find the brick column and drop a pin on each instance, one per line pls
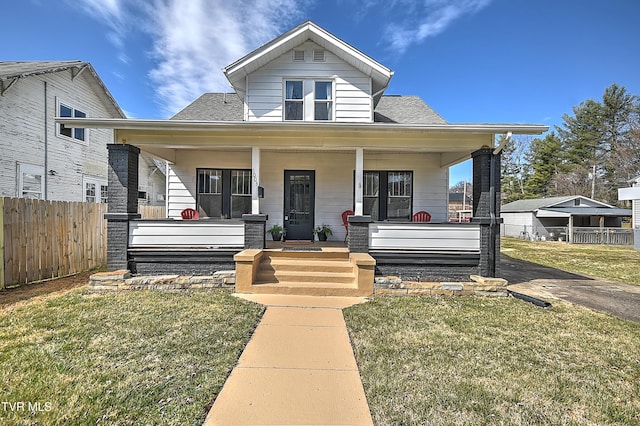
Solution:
(486, 207)
(255, 231)
(358, 239)
(123, 202)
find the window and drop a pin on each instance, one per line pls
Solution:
(296, 91)
(323, 100)
(224, 193)
(71, 132)
(388, 195)
(95, 190)
(293, 101)
(30, 181)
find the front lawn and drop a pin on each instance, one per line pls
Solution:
(125, 359)
(468, 360)
(616, 263)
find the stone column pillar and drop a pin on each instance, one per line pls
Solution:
(255, 231)
(123, 202)
(486, 207)
(358, 239)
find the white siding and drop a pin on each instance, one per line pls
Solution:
(424, 236)
(197, 233)
(352, 101)
(334, 180)
(515, 223)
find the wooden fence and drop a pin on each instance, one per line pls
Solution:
(613, 236)
(49, 239)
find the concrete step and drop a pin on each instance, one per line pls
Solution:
(266, 276)
(308, 289)
(309, 265)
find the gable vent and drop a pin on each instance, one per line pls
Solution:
(298, 55)
(318, 55)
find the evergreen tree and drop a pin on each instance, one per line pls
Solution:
(546, 161)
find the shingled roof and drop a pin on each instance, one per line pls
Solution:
(390, 109)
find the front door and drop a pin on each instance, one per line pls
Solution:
(299, 204)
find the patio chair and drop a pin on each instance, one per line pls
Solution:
(422, 216)
(190, 214)
(345, 221)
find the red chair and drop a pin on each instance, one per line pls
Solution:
(422, 216)
(190, 214)
(345, 221)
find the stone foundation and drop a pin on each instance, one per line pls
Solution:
(123, 281)
(477, 286)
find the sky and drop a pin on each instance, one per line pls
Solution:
(473, 61)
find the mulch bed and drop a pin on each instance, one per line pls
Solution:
(28, 291)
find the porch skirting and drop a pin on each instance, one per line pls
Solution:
(181, 261)
(424, 266)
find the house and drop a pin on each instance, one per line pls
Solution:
(633, 193)
(45, 160)
(460, 204)
(307, 135)
(565, 217)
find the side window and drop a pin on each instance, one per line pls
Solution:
(30, 181)
(65, 110)
(388, 195)
(323, 106)
(95, 190)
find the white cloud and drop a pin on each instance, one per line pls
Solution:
(412, 21)
(194, 39)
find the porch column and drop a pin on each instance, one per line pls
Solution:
(570, 230)
(486, 207)
(359, 181)
(255, 180)
(123, 202)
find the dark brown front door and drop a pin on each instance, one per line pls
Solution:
(299, 204)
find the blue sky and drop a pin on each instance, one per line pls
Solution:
(473, 61)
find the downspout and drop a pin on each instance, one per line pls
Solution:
(46, 145)
(492, 198)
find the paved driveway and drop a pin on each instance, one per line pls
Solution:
(622, 300)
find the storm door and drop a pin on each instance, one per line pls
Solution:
(299, 204)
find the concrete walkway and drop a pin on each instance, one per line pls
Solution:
(298, 368)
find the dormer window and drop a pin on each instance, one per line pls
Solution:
(308, 100)
(298, 55)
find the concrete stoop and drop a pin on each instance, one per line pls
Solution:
(330, 272)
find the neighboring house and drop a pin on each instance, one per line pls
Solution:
(558, 217)
(633, 194)
(45, 160)
(307, 135)
(460, 207)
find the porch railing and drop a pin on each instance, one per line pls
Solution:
(613, 236)
(186, 234)
(441, 237)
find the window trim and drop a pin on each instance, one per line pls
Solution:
(25, 168)
(331, 101)
(285, 99)
(59, 127)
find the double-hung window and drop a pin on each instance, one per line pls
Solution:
(323, 107)
(30, 181)
(294, 100)
(76, 133)
(95, 190)
(388, 195)
(308, 100)
(224, 193)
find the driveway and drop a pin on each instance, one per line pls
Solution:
(622, 300)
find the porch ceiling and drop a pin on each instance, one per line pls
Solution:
(162, 138)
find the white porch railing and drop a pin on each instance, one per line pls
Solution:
(186, 233)
(613, 236)
(463, 237)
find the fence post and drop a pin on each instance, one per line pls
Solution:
(2, 243)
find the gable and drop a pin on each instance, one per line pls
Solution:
(307, 31)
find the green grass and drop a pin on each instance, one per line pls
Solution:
(617, 263)
(468, 360)
(123, 359)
